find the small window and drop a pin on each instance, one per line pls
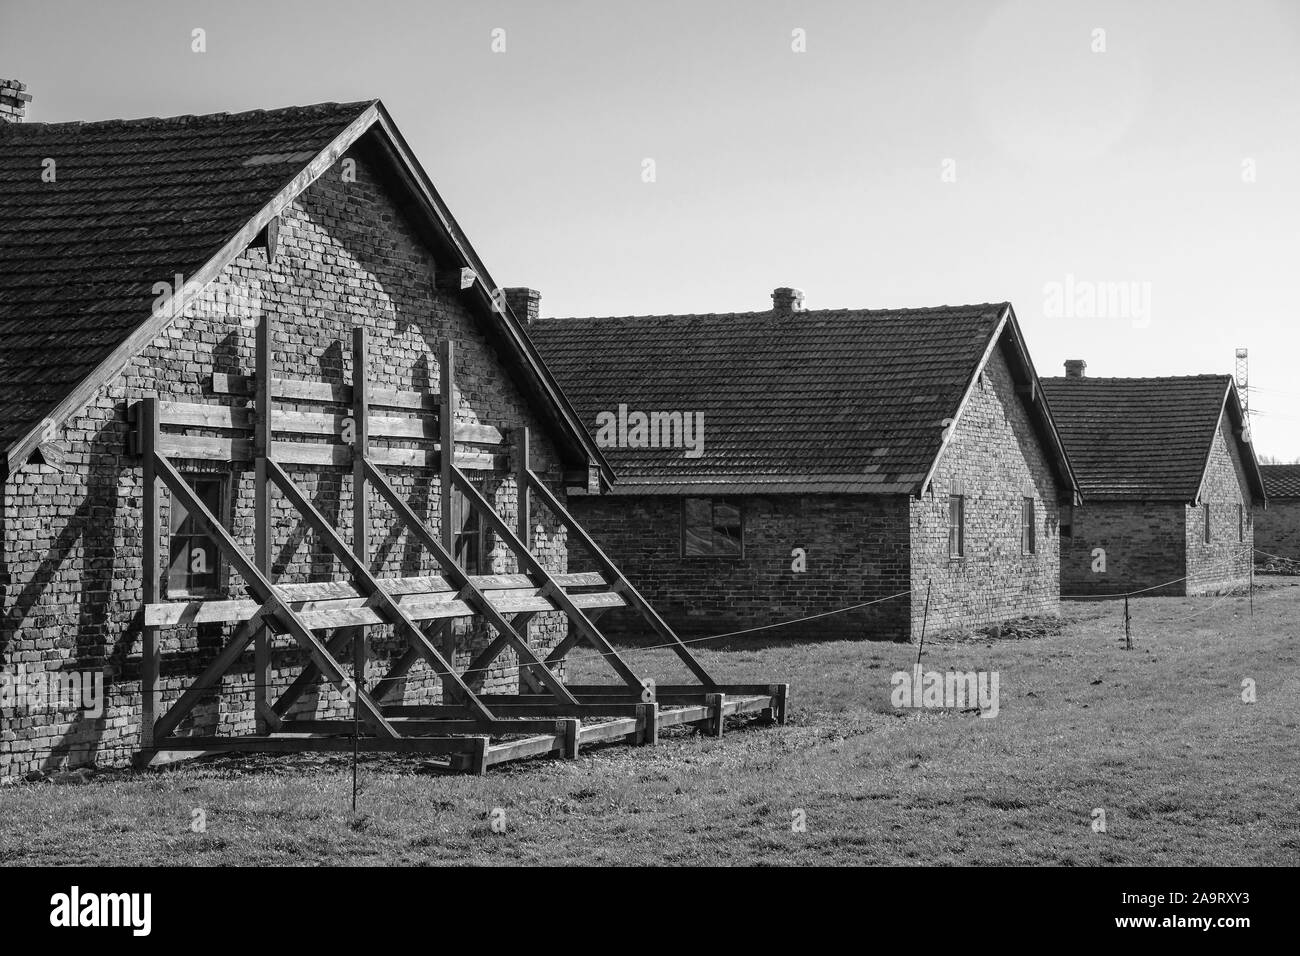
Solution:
(195, 566)
(712, 528)
(1206, 508)
(472, 540)
(1027, 526)
(956, 526)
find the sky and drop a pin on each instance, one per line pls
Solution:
(1126, 174)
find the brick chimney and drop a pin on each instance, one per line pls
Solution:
(13, 101)
(526, 304)
(1074, 368)
(785, 301)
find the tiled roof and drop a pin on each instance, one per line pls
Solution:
(825, 400)
(1281, 481)
(1138, 438)
(133, 202)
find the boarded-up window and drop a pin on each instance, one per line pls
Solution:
(956, 526)
(1027, 526)
(712, 528)
(472, 539)
(195, 560)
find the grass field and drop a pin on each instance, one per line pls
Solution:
(1158, 737)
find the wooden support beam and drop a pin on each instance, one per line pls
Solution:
(360, 497)
(211, 676)
(647, 719)
(529, 563)
(619, 582)
(473, 596)
(264, 591)
(150, 654)
(716, 722)
(262, 521)
(384, 603)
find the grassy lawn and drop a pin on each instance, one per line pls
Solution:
(1157, 736)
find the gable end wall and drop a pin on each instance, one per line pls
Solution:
(73, 543)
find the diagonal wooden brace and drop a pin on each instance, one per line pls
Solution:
(381, 600)
(553, 592)
(264, 592)
(457, 577)
(622, 585)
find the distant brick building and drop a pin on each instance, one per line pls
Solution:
(775, 465)
(1170, 484)
(1277, 527)
(323, 221)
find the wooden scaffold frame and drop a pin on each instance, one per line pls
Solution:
(324, 620)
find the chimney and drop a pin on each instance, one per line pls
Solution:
(13, 101)
(1074, 368)
(526, 304)
(785, 301)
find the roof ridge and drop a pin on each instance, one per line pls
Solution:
(845, 311)
(183, 119)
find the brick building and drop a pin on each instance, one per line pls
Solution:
(1277, 527)
(140, 258)
(774, 465)
(1170, 484)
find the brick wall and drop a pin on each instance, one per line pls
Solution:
(995, 461)
(1223, 563)
(1144, 545)
(1277, 528)
(855, 547)
(72, 542)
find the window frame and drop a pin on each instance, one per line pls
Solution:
(481, 536)
(714, 555)
(960, 502)
(1028, 522)
(223, 515)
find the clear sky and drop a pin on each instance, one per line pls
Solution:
(913, 154)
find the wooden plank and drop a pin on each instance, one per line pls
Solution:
(150, 649)
(317, 602)
(360, 494)
(297, 744)
(205, 449)
(441, 711)
(188, 415)
(264, 718)
(301, 390)
(608, 730)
